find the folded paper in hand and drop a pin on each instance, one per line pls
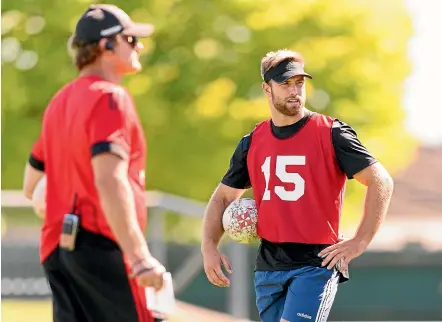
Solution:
(162, 301)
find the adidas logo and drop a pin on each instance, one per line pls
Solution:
(303, 315)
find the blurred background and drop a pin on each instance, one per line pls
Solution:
(376, 65)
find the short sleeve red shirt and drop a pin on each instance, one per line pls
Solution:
(87, 117)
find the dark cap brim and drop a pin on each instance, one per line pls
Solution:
(139, 30)
(281, 78)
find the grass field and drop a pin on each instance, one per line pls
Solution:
(25, 311)
(41, 311)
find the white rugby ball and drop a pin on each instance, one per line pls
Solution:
(39, 198)
(240, 219)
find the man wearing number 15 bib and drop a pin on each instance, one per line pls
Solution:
(297, 163)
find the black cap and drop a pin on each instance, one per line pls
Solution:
(104, 20)
(285, 70)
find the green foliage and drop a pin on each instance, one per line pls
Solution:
(200, 92)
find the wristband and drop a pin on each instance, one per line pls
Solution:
(137, 262)
(139, 267)
(141, 271)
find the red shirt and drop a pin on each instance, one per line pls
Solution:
(297, 183)
(86, 117)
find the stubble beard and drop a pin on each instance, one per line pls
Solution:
(287, 109)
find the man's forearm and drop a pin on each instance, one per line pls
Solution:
(118, 205)
(30, 180)
(377, 201)
(212, 223)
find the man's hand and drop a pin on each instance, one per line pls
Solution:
(213, 259)
(213, 232)
(342, 253)
(379, 190)
(150, 274)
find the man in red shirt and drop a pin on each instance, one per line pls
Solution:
(92, 151)
(297, 163)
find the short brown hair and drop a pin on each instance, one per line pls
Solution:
(273, 58)
(83, 54)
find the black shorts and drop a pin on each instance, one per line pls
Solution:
(90, 284)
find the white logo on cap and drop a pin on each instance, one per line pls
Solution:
(96, 14)
(111, 31)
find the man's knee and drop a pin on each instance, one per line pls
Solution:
(283, 320)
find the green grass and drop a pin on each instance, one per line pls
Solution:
(20, 217)
(25, 311)
(41, 311)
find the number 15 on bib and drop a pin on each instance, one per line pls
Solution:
(280, 171)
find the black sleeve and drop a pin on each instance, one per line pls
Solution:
(36, 164)
(111, 147)
(237, 175)
(352, 156)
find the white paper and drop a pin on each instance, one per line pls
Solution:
(162, 301)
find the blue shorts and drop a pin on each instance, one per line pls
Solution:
(304, 294)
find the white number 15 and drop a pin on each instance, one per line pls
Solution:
(282, 161)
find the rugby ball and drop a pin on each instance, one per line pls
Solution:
(240, 219)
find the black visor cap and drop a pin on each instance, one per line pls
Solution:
(285, 70)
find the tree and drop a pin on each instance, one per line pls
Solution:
(200, 91)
